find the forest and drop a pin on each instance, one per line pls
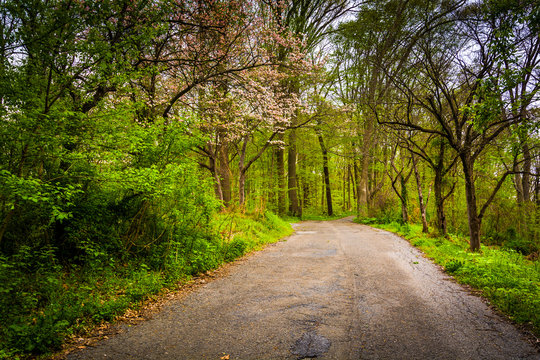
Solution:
(145, 141)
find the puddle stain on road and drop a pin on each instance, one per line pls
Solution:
(310, 345)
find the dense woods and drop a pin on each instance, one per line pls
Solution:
(133, 132)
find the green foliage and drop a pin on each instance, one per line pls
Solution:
(453, 265)
(323, 217)
(235, 249)
(102, 202)
(42, 303)
(366, 220)
(505, 277)
(484, 111)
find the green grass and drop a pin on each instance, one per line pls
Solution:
(508, 279)
(42, 303)
(242, 233)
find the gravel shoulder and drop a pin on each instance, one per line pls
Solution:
(333, 290)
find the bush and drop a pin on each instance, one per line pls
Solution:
(453, 266)
(521, 245)
(42, 302)
(366, 220)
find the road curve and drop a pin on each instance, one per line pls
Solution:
(333, 290)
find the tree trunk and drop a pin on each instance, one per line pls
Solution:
(270, 193)
(352, 180)
(217, 180)
(526, 177)
(281, 193)
(359, 210)
(537, 187)
(363, 187)
(328, 190)
(241, 188)
(518, 184)
(439, 203)
(472, 212)
(363, 184)
(425, 227)
(404, 200)
(526, 187)
(225, 173)
(326, 175)
(323, 192)
(305, 186)
(213, 169)
(294, 207)
(344, 191)
(242, 173)
(349, 187)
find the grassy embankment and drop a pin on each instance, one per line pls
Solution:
(43, 303)
(509, 280)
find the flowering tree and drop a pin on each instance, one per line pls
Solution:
(255, 102)
(309, 22)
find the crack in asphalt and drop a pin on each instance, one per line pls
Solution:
(333, 290)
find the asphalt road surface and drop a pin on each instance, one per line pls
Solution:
(333, 290)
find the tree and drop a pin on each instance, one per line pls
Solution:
(462, 94)
(379, 41)
(517, 47)
(253, 104)
(431, 148)
(209, 52)
(309, 21)
(435, 153)
(400, 172)
(60, 63)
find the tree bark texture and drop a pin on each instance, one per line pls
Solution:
(425, 227)
(439, 203)
(217, 180)
(475, 221)
(225, 173)
(281, 193)
(294, 206)
(404, 200)
(326, 172)
(242, 188)
(363, 184)
(359, 205)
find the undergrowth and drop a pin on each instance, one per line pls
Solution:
(507, 278)
(318, 217)
(43, 303)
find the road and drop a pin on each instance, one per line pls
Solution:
(333, 290)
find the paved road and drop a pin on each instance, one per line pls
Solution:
(334, 290)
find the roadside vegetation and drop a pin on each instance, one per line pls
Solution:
(504, 275)
(42, 303)
(313, 216)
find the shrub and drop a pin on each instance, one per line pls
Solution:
(453, 266)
